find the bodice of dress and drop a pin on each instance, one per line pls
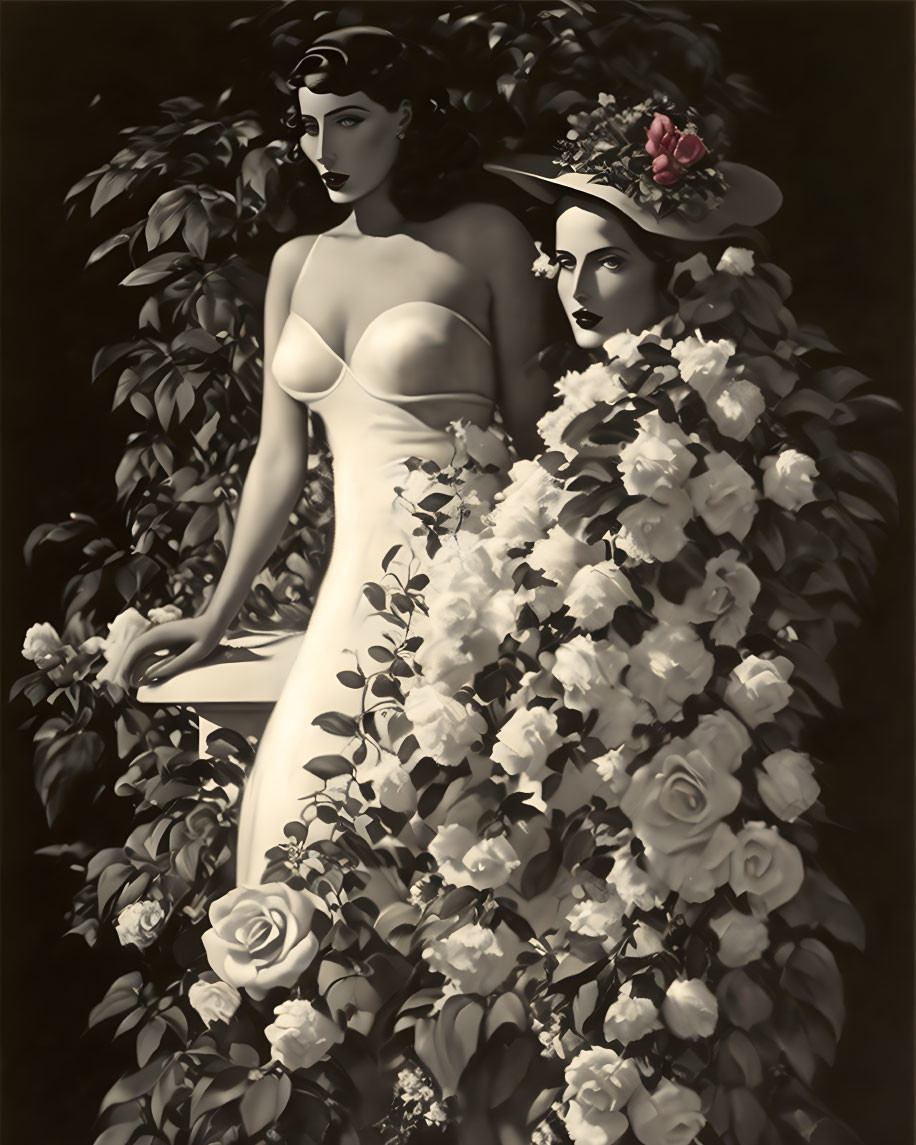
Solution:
(416, 366)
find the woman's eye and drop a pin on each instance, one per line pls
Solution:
(612, 262)
(349, 121)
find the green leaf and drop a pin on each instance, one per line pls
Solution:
(108, 245)
(118, 1134)
(380, 653)
(375, 594)
(329, 766)
(120, 996)
(351, 679)
(389, 557)
(135, 1085)
(148, 1039)
(435, 501)
(225, 1087)
(259, 1105)
(158, 268)
(811, 975)
(336, 724)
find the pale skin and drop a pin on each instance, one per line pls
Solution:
(480, 251)
(603, 271)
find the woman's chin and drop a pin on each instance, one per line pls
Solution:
(592, 339)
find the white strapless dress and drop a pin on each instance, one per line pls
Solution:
(410, 361)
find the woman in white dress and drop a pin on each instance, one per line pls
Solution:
(389, 326)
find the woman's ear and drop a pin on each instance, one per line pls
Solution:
(406, 110)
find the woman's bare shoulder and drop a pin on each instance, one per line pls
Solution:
(487, 220)
(289, 257)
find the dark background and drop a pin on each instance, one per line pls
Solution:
(838, 78)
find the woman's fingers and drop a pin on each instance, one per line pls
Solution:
(171, 665)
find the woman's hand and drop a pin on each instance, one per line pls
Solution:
(185, 642)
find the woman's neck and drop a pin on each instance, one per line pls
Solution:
(373, 214)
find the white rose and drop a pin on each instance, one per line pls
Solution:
(735, 406)
(623, 349)
(121, 632)
(628, 1019)
(720, 737)
(525, 740)
(658, 461)
(669, 664)
(139, 923)
(528, 506)
(758, 688)
(41, 640)
(766, 867)
(444, 727)
(214, 1000)
(474, 444)
(262, 937)
(788, 478)
(599, 1082)
(700, 359)
(554, 423)
(544, 266)
(668, 1116)
(600, 382)
(612, 768)
(475, 958)
(676, 801)
(596, 592)
(164, 614)
(652, 531)
(737, 260)
(726, 597)
(391, 783)
(697, 871)
(786, 783)
(559, 556)
(742, 939)
(464, 861)
(724, 496)
(635, 886)
(599, 919)
(588, 670)
(301, 1035)
(690, 1009)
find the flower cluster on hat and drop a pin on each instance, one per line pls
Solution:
(651, 151)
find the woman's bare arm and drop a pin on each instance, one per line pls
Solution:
(278, 469)
(522, 318)
(272, 487)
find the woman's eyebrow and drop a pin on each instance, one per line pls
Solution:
(348, 107)
(609, 250)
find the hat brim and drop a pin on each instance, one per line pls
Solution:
(751, 198)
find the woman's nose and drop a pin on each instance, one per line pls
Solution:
(580, 286)
(324, 151)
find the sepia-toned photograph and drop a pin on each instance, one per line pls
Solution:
(457, 572)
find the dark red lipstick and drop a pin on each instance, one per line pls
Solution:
(334, 180)
(587, 319)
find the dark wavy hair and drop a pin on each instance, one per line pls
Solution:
(438, 161)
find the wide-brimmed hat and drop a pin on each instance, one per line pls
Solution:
(750, 197)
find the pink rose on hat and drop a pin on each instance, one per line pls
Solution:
(673, 151)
